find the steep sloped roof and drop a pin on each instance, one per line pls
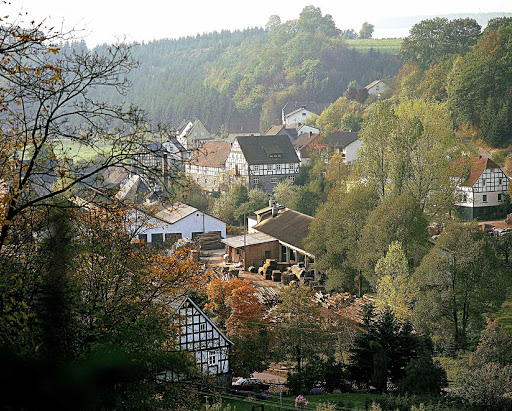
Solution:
(373, 83)
(289, 226)
(475, 165)
(244, 126)
(259, 149)
(281, 130)
(211, 154)
(340, 138)
(312, 106)
(304, 139)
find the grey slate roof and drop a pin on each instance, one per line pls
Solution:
(289, 226)
(340, 138)
(258, 149)
(312, 106)
(244, 126)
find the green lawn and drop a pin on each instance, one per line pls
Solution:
(350, 401)
(79, 152)
(505, 314)
(391, 46)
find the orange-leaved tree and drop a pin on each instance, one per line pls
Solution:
(240, 314)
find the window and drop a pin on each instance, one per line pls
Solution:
(483, 181)
(291, 178)
(501, 181)
(213, 358)
(500, 197)
(278, 167)
(267, 255)
(273, 180)
(484, 198)
(202, 327)
(195, 133)
(256, 169)
(157, 238)
(304, 114)
(172, 237)
(143, 237)
(256, 180)
(202, 133)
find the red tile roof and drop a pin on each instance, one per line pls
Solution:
(473, 167)
(211, 154)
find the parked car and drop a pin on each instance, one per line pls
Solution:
(249, 384)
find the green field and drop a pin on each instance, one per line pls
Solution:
(346, 400)
(391, 46)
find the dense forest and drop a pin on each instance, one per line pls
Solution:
(249, 73)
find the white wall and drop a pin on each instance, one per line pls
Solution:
(298, 117)
(380, 87)
(351, 151)
(195, 222)
(307, 129)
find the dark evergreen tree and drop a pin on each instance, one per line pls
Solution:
(383, 350)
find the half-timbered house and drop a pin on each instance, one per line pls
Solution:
(198, 335)
(261, 161)
(481, 189)
(207, 164)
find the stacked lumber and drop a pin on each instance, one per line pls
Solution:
(210, 241)
(267, 296)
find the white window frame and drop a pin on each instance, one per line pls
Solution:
(213, 358)
(273, 180)
(256, 180)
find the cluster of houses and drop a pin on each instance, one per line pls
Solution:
(275, 232)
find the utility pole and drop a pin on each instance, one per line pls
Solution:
(245, 238)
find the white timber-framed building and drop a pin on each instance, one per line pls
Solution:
(199, 335)
(481, 189)
(261, 161)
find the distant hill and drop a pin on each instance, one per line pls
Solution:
(250, 73)
(398, 27)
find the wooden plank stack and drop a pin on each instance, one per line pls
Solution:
(210, 241)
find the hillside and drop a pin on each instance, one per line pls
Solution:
(252, 73)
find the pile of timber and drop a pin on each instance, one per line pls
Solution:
(345, 305)
(209, 241)
(267, 296)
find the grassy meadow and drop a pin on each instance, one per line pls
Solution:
(391, 46)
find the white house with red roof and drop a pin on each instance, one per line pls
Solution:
(482, 189)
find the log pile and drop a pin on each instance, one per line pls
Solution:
(209, 241)
(267, 296)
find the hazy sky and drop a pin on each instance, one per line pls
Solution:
(154, 19)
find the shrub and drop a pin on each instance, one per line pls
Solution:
(423, 376)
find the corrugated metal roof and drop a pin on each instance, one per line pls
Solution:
(250, 239)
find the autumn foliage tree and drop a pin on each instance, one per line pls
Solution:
(92, 307)
(240, 314)
(50, 117)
